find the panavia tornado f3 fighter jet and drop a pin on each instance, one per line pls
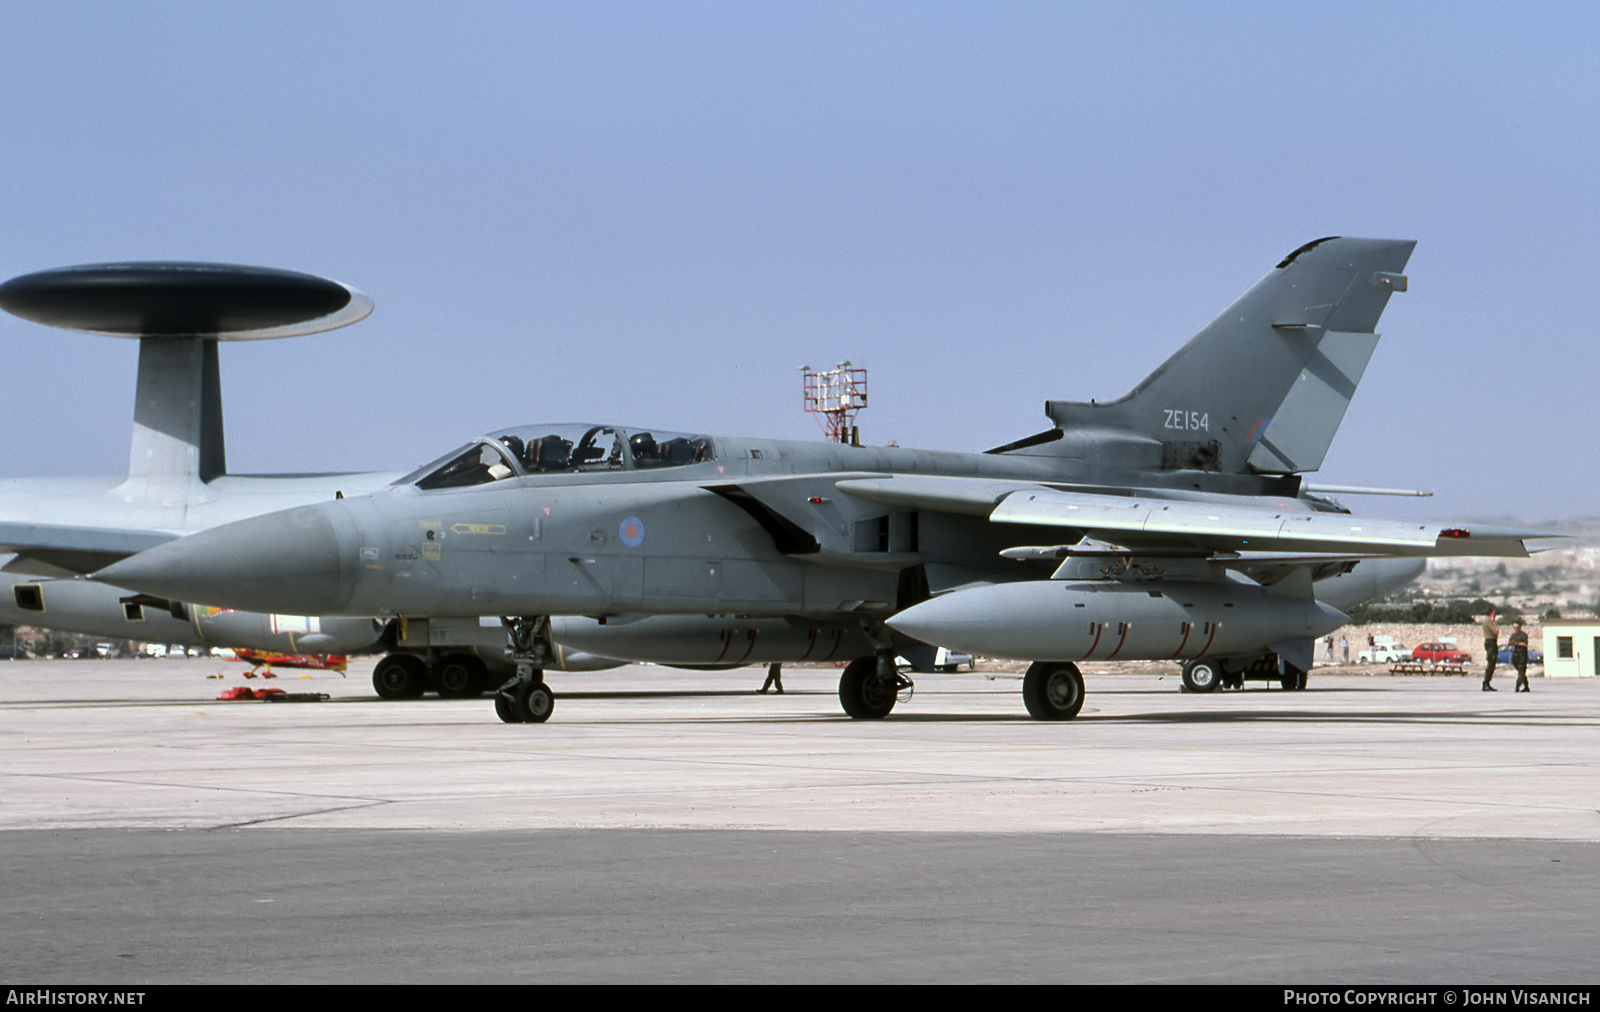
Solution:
(1170, 523)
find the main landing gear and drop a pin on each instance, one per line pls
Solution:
(1053, 690)
(461, 676)
(870, 686)
(525, 699)
(407, 676)
(1207, 674)
(1203, 675)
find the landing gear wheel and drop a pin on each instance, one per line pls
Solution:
(461, 677)
(1293, 679)
(534, 702)
(862, 693)
(1203, 675)
(505, 708)
(1053, 690)
(400, 676)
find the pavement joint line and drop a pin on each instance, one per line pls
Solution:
(187, 786)
(265, 819)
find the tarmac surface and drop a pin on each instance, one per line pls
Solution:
(677, 826)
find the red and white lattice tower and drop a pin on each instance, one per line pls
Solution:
(834, 396)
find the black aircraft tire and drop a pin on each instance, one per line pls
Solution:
(461, 676)
(400, 676)
(1203, 675)
(506, 708)
(1052, 690)
(535, 702)
(862, 693)
(1293, 680)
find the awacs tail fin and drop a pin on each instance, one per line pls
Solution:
(177, 412)
(1263, 388)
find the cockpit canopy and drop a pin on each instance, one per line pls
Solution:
(560, 449)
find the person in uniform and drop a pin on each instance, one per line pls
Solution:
(1519, 656)
(1491, 648)
(774, 678)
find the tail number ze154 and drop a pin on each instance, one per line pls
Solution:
(1189, 421)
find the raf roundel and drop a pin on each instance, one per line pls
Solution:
(632, 532)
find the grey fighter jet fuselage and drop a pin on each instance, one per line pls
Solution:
(851, 534)
(1168, 523)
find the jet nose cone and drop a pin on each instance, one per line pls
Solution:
(295, 562)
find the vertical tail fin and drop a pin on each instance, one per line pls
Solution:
(177, 415)
(1263, 388)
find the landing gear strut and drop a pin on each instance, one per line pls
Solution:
(525, 699)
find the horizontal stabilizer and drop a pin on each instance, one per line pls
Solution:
(75, 549)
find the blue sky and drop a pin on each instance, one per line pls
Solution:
(654, 213)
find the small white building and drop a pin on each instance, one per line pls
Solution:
(1571, 647)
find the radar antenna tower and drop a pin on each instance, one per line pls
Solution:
(834, 396)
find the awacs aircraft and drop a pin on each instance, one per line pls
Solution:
(177, 480)
(1170, 523)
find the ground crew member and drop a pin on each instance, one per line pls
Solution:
(1491, 648)
(1519, 656)
(774, 678)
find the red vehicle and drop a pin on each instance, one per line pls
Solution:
(1441, 653)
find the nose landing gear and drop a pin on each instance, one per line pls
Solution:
(525, 699)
